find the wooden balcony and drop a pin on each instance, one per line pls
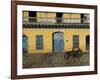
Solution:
(33, 22)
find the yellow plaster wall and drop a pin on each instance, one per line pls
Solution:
(75, 15)
(66, 15)
(51, 15)
(25, 14)
(47, 34)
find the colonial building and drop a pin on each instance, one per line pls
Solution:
(46, 32)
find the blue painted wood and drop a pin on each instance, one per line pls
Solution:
(58, 39)
(25, 44)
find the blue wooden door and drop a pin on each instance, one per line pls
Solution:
(58, 42)
(25, 44)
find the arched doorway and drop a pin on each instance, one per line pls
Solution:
(25, 44)
(58, 42)
(87, 42)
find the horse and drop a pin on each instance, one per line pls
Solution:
(73, 55)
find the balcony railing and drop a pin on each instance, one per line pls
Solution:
(30, 20)
(42, 22)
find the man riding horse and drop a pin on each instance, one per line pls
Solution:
(73, 55)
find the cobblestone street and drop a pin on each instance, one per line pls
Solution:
(53, 60)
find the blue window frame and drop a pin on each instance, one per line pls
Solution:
(39, 42)
(75, 41)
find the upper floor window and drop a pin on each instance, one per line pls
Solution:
(59, 17)
(82, 18)
(32, 16)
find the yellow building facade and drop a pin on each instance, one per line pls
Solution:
(48, 32)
